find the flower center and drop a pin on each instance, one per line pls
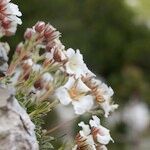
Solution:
(75, 94)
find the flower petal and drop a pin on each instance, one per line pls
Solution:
(83, 104)
(62, 94)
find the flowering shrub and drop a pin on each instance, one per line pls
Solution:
(43, 74)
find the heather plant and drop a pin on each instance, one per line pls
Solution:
(43, 74)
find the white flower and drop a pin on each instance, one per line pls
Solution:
(75, 92)
(83, 105)
(108, 107)
(9, 17)
(104, 92)
(75, 64)
(63, 96)
(94, 138)
(85, 133)
(85, 129)
(137, 116)
(101, 133)
(107, 92)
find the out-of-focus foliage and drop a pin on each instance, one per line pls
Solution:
(104, 30)
(141, 8)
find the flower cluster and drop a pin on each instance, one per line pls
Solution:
(9, 14)
(44, 73)
(45, 70)
(93, 137)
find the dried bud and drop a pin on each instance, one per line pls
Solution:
(26, 76)
(25, 57)
(38, 84)
(46, 62)
(40, 26)
(57, 56)
(29, 33)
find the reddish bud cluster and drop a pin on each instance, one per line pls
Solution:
(45, 33)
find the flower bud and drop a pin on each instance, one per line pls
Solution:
(28, 33)
(27, 64)
(19, 47)
(50, 32)
(38, 84)
(59, 56)
(40, 26)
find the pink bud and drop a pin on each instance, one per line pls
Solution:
(40, 26)
(48, 32)
(28, 33)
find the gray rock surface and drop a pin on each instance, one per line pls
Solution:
(16, 128)
(4, 49)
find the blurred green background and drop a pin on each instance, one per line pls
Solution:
(113, 35)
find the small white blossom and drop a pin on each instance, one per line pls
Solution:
(75, 92)
(86, 134)
(102, 134)
(102, 93)
(106, 93)
(137, 116)
(94, 138)
(75, 64)
(108, 107)
(84, 104)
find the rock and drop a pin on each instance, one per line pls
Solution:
(16, 128)
(4, 49)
